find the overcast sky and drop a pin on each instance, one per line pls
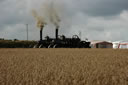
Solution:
(96, 19)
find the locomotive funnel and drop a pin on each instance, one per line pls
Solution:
(41, 32)
(56, 34)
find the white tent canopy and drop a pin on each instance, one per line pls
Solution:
(120, 44)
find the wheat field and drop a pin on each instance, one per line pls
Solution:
(63, 67)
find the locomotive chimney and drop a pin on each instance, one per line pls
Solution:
(40, 34)
(41, 31)
(56, 34)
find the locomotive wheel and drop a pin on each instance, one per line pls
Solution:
(55, 46)
(36, 46)
(50, 46)
(41, 46)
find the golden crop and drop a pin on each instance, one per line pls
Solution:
(63, 67)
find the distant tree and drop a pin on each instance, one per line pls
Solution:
(15, 39)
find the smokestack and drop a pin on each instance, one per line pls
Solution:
(56, 34)
(41, 32)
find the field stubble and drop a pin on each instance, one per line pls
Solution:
(63, 67)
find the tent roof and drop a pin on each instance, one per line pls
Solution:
(118, 42)
(99, 41)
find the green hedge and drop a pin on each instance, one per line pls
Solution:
(16, 44)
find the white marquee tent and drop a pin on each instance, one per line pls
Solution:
(120, 44)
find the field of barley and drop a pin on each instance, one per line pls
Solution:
(63, 67)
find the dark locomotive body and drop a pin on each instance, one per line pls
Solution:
(61, 42)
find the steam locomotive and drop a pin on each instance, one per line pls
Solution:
(61, 41)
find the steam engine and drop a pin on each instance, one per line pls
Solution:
(61, 41)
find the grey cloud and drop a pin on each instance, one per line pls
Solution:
(96, 19)
(12, 13)
(13, 19)
(102, 7)
(106, 29)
